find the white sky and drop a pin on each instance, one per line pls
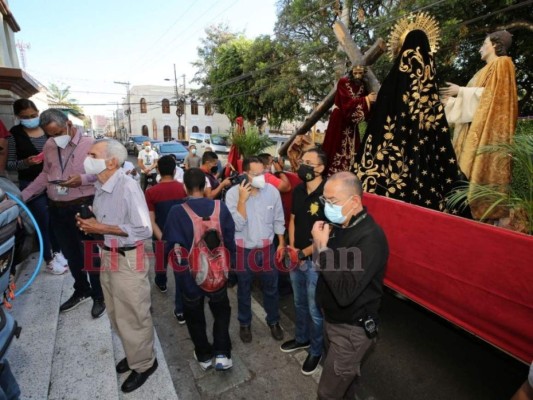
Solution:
(88, 45)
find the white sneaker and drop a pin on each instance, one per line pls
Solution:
(205, 365)
(60, 259)
(53, 267)
(223, 363)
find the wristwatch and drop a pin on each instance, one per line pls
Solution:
(301, 255)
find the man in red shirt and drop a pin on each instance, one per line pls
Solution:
(274, 173)
(160, 199)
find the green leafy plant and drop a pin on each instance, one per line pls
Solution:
(518, 196)
(251, 142)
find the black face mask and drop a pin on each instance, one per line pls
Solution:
(214, 170)
(306, 173)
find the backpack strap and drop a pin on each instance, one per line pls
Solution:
(216, 211)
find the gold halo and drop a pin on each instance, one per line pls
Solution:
(422, 21)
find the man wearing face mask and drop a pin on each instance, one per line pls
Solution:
(306, 210)
(124, 264)
(258, 214)
(210, 167)
(147, 161)
(192, 160)
(352, 252)
(68, 187)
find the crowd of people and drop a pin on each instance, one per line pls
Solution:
(96, 212)
(94, 206)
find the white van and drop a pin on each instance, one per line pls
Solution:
(218, 142)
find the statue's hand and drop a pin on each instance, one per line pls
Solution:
(451, 90)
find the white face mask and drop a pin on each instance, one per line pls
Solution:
(258, 181)
(62, 140)
(94, 166)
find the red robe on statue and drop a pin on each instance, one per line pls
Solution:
(342, 135)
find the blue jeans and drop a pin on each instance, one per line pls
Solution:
(263, 264)
(161, 279)
(309, 321)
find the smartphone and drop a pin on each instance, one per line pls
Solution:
(39, 157)
(58, 181)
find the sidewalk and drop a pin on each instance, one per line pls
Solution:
(260, 370)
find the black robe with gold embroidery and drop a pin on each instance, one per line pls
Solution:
(407, 151)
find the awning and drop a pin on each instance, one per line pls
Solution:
(17, 81)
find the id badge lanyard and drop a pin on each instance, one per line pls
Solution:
(64, 166)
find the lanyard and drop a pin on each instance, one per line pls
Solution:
(64, 166)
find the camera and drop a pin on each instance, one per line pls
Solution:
(237, 179)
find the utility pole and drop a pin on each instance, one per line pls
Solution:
(185, 108)
(128, 111)
(22, 46)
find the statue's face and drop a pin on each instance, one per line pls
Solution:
(358, 72)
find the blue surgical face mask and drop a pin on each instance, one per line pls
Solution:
(333, 212)
(30, 123)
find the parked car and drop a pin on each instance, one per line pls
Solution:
(184, 143)
(166, 148)
(218, 142)
(134, 144)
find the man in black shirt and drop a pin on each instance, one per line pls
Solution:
(352, 254)
(306, 210)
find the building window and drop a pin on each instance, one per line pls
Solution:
(145, 130)
(167, 133)
(165, 105)
(195, 129)
(208, 110)
(208, 129)
(143, 106)
(194, 107)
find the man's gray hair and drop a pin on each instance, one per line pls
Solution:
(53, 115)
(350, 183)
(115, 149)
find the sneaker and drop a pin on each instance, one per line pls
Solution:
(223, 363)
(98, 308)
(292, 345)
(53, 267)
(180, 317)
(60, 259)
(162, 287)
(205, 365)
(75, 300)
(310, 365)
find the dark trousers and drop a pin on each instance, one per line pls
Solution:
(144, 180)
(39, 208)
(195, 318)
(346, 345)
(260, 261)
(72, 243)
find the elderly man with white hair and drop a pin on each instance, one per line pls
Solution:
(121, 215)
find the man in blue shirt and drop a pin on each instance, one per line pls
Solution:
(179, 231)
(258, 214)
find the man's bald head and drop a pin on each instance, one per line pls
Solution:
(348, 183)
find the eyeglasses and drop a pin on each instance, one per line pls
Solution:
(325, 201)
(305, 162)
(252, 174)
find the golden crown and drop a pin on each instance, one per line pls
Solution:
(422, 21)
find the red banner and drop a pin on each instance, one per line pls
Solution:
(476, 276)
